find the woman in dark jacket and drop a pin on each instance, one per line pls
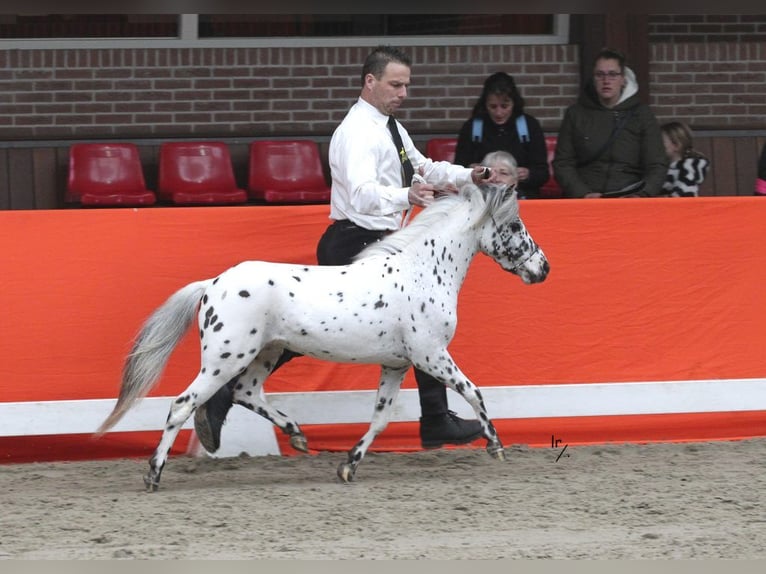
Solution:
(494, 125)
(610, 143)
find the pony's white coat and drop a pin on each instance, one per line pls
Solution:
(395, 305)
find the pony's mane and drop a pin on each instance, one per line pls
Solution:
(492, 196)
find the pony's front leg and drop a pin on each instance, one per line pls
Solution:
(450, 374)
(388, 389)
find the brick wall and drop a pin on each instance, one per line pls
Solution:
(682, 28)
(256, 92)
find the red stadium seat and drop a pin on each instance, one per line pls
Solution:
(197, 173)
(441, 149)
(102, 174)
(551, 188)
(287, 171)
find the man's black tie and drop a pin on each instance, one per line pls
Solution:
(407, 170)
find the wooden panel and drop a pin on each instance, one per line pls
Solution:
(62, 173)
(20, 181)
(44, 180)
(724, 166)
(746, 167)
(704, 145)
(35, 177)
(5, 199)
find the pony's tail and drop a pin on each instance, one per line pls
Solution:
(152, 348)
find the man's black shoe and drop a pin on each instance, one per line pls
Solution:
(438, 430)
(209, 418)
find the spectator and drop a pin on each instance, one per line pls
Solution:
(609, 143)
(688, 167)
(503, 166)
(498, 122)
(760, 182)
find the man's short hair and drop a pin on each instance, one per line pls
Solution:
(380, 57)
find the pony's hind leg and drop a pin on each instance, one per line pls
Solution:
(388, 389)
(248, 392)
(182, 407)
(450, 374)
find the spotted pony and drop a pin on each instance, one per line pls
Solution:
(395, 305)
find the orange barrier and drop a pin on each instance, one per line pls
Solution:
(640, 290)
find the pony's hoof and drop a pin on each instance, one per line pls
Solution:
(345, 472)
(151, 483)
(496, 451)
(299, 442)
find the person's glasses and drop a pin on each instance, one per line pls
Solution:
(611, 74)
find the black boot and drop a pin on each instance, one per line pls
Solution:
(448, 428)
(209, 418)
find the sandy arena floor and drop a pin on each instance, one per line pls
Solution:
(694, 500)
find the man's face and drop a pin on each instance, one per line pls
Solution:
(609, 81)
(387, 93)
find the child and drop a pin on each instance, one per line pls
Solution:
(688, 167)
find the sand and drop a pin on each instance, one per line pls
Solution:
(666, 501)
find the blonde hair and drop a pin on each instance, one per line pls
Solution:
(681, 135)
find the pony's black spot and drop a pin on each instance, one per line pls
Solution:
(216, 372)
(244, 293)
(225, 355)
(240, 355)
(304, 332)
(271, 282)
(218, 327)
(298, 279)
(291, 294)
(253, 331)
(182, 400)
(204, 299)
(422, 307)
(379, 303)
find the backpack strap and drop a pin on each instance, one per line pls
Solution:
(478, 130)
(521, 128)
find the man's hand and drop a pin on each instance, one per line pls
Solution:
(481, 175)
(421, 194)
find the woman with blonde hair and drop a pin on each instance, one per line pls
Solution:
(688, 167)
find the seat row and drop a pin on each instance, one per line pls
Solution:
(444, 149)
(196, 173)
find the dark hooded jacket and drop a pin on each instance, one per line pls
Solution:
(581, 163)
